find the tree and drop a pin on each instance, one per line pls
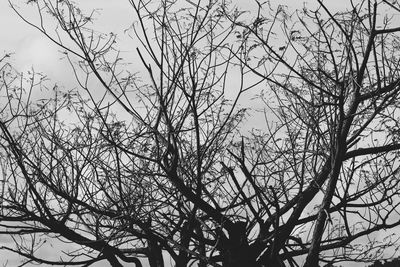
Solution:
(129, 166)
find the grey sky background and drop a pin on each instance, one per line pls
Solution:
(32, 50)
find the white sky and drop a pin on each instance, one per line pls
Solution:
(33, 50)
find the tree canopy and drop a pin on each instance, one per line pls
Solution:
(175, 165)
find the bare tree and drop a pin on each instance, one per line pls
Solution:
(334, 93)
(154, 164)
(136, 164)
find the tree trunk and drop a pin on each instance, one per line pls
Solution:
(183, 257)
(113, 261)
(155, 254)
(201, 246)
(236, 251)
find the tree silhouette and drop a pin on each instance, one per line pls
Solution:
(158, 165)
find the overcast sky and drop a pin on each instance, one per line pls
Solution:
(31, 49)
(34, 50)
